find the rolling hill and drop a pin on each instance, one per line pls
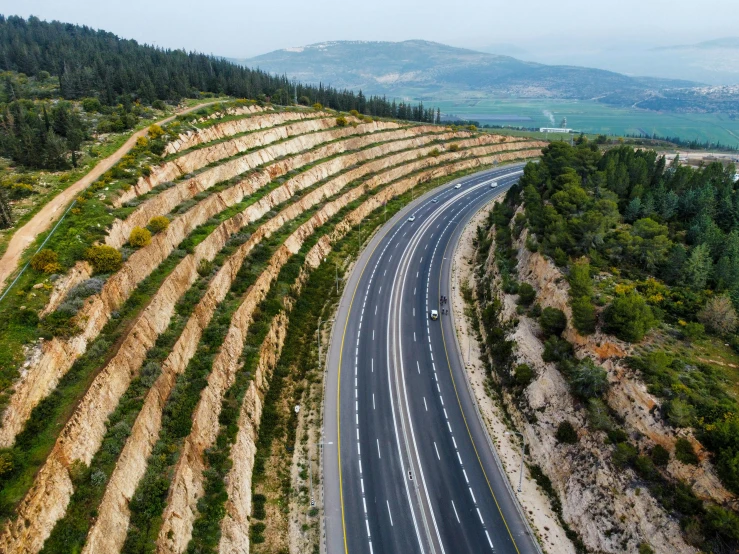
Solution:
(429, 70)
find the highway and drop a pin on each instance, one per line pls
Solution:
(408, 467)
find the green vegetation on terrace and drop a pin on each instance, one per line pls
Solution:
(90, 482)
(34, 443)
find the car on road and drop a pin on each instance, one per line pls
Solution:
(494, 185)
(412, 218)
(434, 315)
(435, 200)
(458, 186)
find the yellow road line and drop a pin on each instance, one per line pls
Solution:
(456, 392)
(338, 385)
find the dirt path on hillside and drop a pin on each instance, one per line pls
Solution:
(52, 210)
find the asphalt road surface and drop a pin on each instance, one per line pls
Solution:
(408, 467)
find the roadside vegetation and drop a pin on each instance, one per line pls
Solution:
(651, 256)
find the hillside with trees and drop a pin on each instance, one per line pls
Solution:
(624, 272)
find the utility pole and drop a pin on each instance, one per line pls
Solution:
(523, 453)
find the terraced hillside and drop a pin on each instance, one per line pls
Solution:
(139, 355)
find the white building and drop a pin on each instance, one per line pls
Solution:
(554, 130)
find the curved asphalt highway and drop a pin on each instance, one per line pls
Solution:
(414, 471)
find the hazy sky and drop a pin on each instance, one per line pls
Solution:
(243, 29)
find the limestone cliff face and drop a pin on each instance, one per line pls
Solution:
(202, 157)
(270, 128)
(598, 499)
(167, 200)
(59, 354)
(628, 395)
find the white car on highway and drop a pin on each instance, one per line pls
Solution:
(458, 186)
(412, 218)
(494, 185)
(434, 315)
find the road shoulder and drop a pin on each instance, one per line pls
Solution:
(535, 503)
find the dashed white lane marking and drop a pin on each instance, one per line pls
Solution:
(378, 449)
(373, 334)
(372, 367)
(375, 310)
(474, 500)
(424, 404)
(455, 511)
(389, 513)
(419, 367)
(437, 452)
(373, 401)
(489, 541)
(480, 516)
(361, 482)
(414, 336)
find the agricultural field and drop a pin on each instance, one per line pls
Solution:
(174, 311)
(594, 118)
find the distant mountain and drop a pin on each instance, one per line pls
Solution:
(429, 70)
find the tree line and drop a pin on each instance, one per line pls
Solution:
(95, 63)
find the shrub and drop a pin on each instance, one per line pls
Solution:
(560, 258)
(598, 415)
(628, 317)
(552, 321)
(46, 260)
(317, 106)
(680, 413)
(644, 548)
(589, 380)
(693, 331)
(684, 452)
(104, 258)
(258, 510)
(660, 455)
(434, 153)
(453, 147)
(523, 374)
(158, 223)
(341, 121)
(556, 349)
(583, 315)
(566, 433)
(624, 454)
(139, 237)
(719, 315)
(581, 297)
(526, 294)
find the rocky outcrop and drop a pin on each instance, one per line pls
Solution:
(167, 200)
(598, 500)
(204, 156)
(271, 128)
(218, 131)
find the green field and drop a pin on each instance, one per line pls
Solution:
(593, 117)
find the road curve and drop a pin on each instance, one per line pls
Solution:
(50, 212)
(407, 464)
